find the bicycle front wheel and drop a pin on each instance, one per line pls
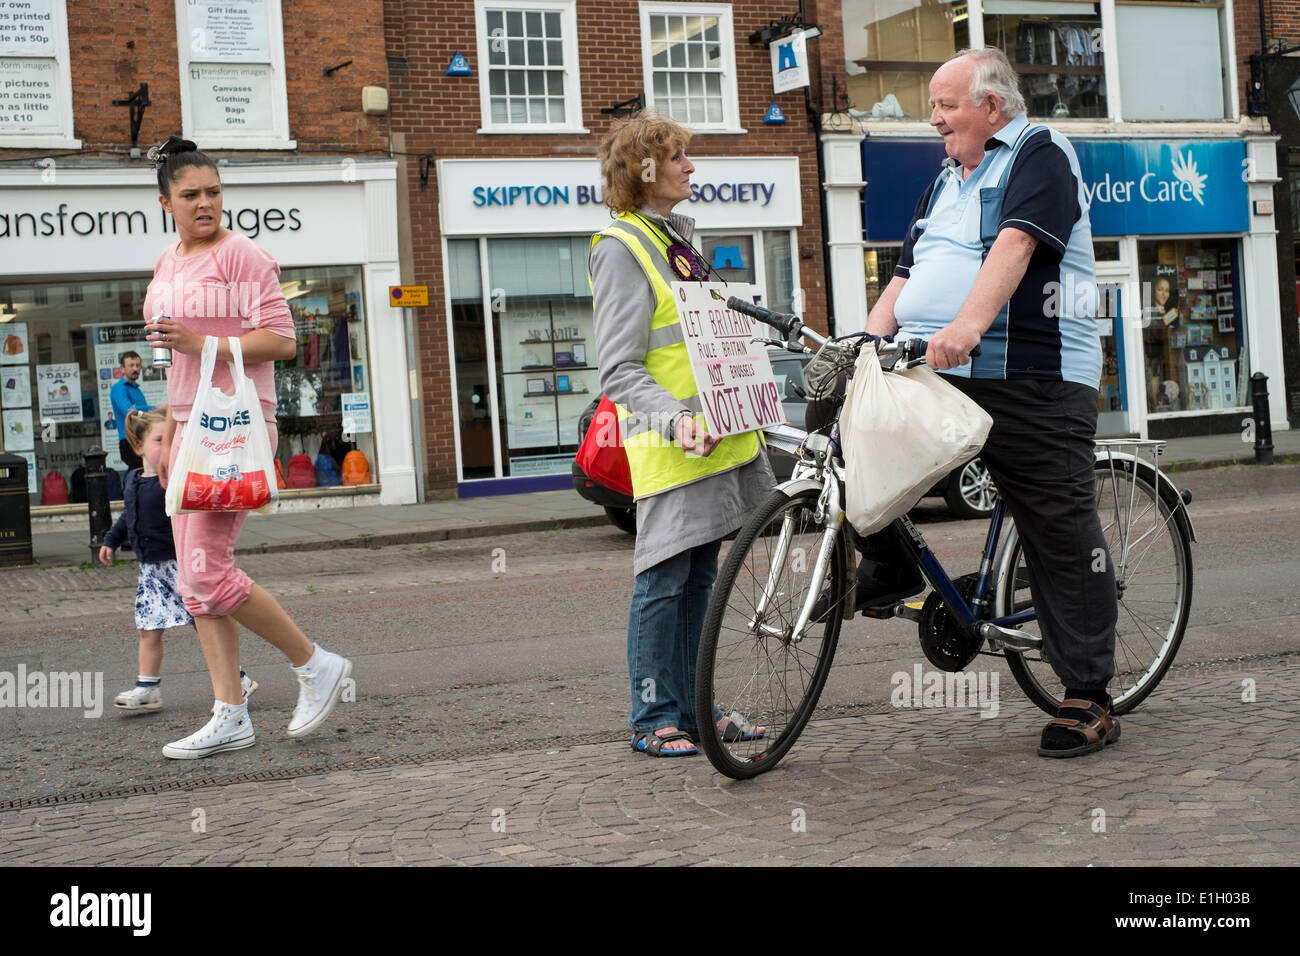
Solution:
(751, 664)
(1153, 579)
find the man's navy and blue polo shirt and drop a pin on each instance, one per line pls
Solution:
(1048, 330)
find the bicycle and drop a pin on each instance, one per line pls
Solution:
(766, 647)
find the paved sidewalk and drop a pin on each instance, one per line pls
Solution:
(1199, 777)
(378, 525)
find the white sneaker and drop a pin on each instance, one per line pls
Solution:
(225, 731)
(248, 685)
(139, 698)
(320, 684)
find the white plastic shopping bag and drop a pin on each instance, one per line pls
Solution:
(225, 461)
(901, 432)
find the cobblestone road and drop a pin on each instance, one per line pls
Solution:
(1199, 777)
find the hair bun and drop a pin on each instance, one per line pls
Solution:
(175, 144)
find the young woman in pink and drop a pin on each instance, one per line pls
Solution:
(217, 282)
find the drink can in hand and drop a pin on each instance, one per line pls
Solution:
(162, 357)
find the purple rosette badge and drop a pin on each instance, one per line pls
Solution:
(686, 263)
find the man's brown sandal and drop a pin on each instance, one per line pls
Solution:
(1078, 719)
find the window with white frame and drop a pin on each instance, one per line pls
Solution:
(35, 78)
(528, 75)
(688, 58)
(1129, 60)
(231, 59)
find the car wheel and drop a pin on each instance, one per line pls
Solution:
(623, 518)
(971, 492)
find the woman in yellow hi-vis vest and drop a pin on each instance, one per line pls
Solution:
(691, 488)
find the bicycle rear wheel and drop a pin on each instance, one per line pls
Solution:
(749, 661)
(1153, 577)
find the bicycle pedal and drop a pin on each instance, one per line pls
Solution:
(881, 613)
(1004, 637)
(909, 610)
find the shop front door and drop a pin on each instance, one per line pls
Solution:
(1113, 395)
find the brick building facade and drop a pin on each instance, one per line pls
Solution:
(1268, 52)
(1179, 172)
(440, 125)
(307, 176)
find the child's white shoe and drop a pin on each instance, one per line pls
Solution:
(229, 729)
(139, 698)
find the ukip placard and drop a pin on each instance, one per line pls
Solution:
(732, 372)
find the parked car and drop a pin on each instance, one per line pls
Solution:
(968, 490)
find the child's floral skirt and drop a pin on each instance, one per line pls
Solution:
(158, 603)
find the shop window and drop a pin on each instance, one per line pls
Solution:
(35, 78)
(892, 48)
(879, 262)
(529, 78)
(57, 367)
(1106, 250)
(778, 263)
(59, 363)
(688, 59)
(1171, 60)
(1193, 337)
(1056, 49)
(545, 349)
(730, 258)
(231, 58)
(323, 394)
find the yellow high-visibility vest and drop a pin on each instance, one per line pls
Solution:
(657, 464)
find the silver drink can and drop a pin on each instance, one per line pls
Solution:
(162, 358)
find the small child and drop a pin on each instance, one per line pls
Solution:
(144, 521)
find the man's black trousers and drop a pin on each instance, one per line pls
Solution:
(1040, 454)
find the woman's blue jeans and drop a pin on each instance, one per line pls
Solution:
(665, 619)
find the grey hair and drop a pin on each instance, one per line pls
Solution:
(994, 75)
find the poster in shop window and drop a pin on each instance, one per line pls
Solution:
(30, 458)
(28, 94)
(19, 433)
(27, 28)
(13, 350)
(232, 31)
(58, 388)
(111, 340)
(15, 387)
(233, 98)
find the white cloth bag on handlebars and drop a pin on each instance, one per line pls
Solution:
(900, 433)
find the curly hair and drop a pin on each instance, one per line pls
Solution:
(138, 424)
(629, 153)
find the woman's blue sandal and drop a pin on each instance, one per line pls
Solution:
(648, 742)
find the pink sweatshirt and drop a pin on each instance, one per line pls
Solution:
(229, 289)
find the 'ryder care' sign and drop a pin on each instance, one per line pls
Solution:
(733, 373)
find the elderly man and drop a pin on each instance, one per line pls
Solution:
(126, 395)
(999, 254)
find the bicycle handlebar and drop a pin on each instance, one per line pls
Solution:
(790, 325)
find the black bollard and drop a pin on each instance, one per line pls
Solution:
(1263, 424)
(101, 519)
